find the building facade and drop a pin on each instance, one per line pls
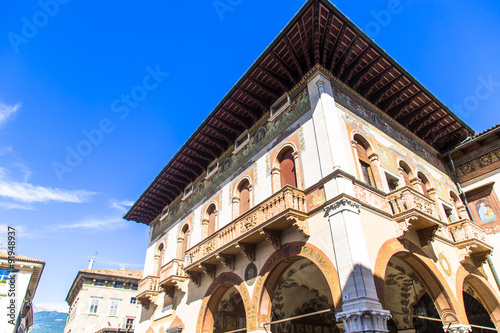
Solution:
(317, 197)
(19, 277)
(103, 300)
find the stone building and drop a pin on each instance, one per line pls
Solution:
(317, 197)
(19, 278)
(103, 300)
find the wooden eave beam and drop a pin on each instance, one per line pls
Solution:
(294, 56)
(282, 82)
(377, 95)
(434, 125)
(356, 79)
(303, 42)
(263, 103)
(203, 155)
(329, 60)
(284, 66)
(236, 129)
(341, 60)
(226, 135)
(397, 109)
(387, 102)
(252, 112)
(186, 172)
(199, 162)
(415, 125)
(364, 89)
(268, 89)
(316, 34)
(344, 73)
(243, 121)
(411, 117)
(326, 36)
(218, 143)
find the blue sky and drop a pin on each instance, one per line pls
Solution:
(64, 83)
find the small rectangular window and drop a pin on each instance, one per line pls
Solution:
(278, 106)
(98, 283)
(134, 287)
(117, 285)
(133, 300)
(392, 182)
(94, 305)
(241, 141)
(212, 168)
(129, 323)
(188, 190)
(367, 173)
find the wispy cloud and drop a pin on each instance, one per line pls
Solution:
(122, 206)
(13, 205)
(7, 111)
(21, 233)
(26, 192)
(6, 150)
(92, 224)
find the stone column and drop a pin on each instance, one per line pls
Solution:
(361, 309)
(204, 228)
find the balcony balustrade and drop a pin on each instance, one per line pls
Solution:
(171, 276)
(265, 221)
(470, 239)
(147, 289)
(413, 210)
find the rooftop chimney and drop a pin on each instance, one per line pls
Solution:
(91, 263)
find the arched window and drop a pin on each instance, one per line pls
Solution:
(160, 254)
(405, 172)
(244, 189)
(184, 239)
(211, 212)
(424, 183)
(287, 169)
(362, 147)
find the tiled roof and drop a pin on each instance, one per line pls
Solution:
(116, 272)
(5, 255)
(491, 129)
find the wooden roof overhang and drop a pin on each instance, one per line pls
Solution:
(318, 34)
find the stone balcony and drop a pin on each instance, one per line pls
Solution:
(171, 276)
(265, 221)
(414, 211)
(148, 288)
(470, 239)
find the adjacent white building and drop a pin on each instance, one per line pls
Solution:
(19, 278)
(103, 300)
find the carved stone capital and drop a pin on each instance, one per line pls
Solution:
(195, 277)
(426, 236)
(466, 252)
(301, 225)
(227, 260)
(170, 291)
(404, 226)
(343, 204)
(364, 321)
(457, 328)
(248, 250)
(373, 157)
(204, 222)
(273, 237)
(209, 270)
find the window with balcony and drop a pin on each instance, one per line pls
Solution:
(392, 182)
(133, 300)
(287, 170)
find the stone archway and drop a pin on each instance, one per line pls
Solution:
(471, 282)
(226, 304)
(284, 274)
(405, 272)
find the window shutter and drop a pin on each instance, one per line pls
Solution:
(406, 177)
(287, 169)
(244, 197)
(362, 153)
(211, 220)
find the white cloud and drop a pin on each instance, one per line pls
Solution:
(6, 150)
(13, 205)
(92, 224)
(26, 192)
(122, 206)
(6, 111)
(21, 233)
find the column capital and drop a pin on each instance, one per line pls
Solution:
(364, 320)
(457, 328)
(341, 205)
